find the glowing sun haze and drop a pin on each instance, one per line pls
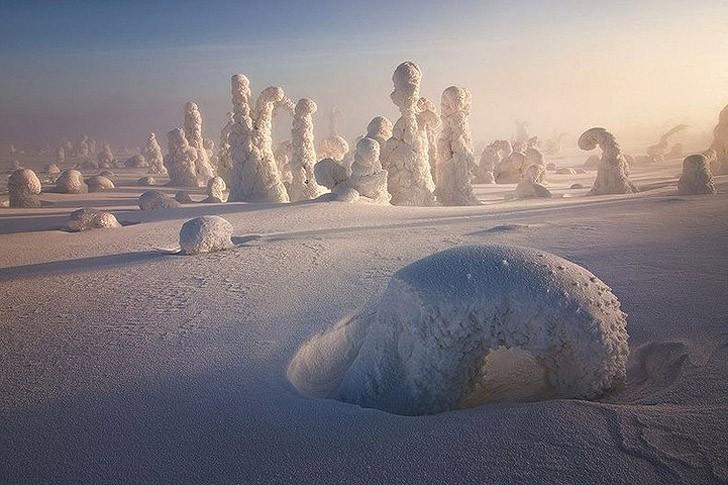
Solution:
(116, 70)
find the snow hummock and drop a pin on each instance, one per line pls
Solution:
(23, 189)
(99, 183)
(456, 160)
(696, 177)
(154, 199)
(612, 171)
(86, 218)
(71, 182)
(429, 344)
(205, 234)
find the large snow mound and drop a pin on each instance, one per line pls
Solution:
(471, 325)
(205, 234)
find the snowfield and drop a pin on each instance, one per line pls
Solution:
(122, 363)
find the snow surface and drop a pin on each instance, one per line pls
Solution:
(124, 365)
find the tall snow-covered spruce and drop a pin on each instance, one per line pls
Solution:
(180, 160)
(153, 155)
(255, 177)
(303, 153)
(405, 155)
(456, 160)
(193, 133)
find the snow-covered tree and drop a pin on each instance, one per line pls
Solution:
(612, 172)
(193, 133)
(696, 177)
(405, 155)
(456, 160)
(153, 155)
(180, 160)
(303, 153)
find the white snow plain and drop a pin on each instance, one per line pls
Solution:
(125, 365)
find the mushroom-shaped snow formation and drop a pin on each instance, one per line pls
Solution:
(85, 219)
(71, 182)
(406, 153)
(696, 177)
(530, 185)
(23, 189)
(154, 199)
(303, 153)
(367, 176)
(153, 155)
(205, 234)
(449, 326)
(215, 191)
(612, 169)
(181, 159)
(719, 165)
(380, 129)
(456, 161)
(99, 183)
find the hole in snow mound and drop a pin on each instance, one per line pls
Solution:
(472, 325)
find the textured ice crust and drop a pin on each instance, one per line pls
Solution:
(429, 344)
(205, 234)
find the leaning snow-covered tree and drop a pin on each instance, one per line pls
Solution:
(153, 155)
(333, 146)
(719, 147)
(456, 161)
(180, 160)
(612, 169)
(193, 133)
(303, 153)
(255, 173)
(659, 151)
(405, 154)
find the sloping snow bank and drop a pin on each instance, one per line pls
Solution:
(450, 326)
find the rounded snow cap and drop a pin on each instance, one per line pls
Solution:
(592, 137)
(305, 106)
(455, 99)
(368, 149)
(205, 234)
(449, 327)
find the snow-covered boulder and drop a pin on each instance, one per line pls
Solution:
(154, 199)
(183, 197)
(215, 190)
(147, 181)
(99, 183)
(23, 189)
(52, 169)
(451, 330)
(71, 182)
(205, 234)
(85, 219)
(696, 177)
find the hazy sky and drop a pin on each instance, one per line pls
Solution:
(116, 70)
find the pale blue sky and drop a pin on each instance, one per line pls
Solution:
(116, 70)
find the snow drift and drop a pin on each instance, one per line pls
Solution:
(449, 325)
